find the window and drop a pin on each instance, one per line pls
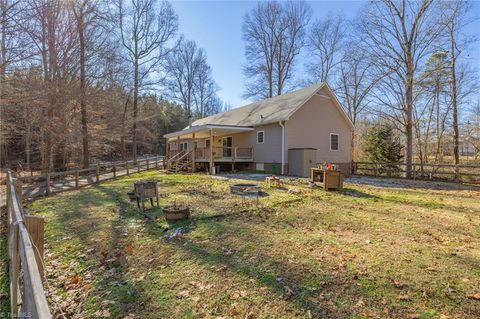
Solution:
(207, 143)
(333, 142)
(260, 137)
(183, 146)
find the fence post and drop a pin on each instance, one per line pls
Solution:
(14, 272)
(76, 178)
(148, 165)
(156, 161)
(97, 173)
(138, 166)
(126, 165)
(35, 227)
(114, 170)
(47, 181)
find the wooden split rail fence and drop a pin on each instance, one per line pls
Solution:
(424, 171)
(25, 258)
(46, 184)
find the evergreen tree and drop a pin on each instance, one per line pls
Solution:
(382, 146)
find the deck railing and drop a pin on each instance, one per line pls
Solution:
(27, 297)
(240, 153)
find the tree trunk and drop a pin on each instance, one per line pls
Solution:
(83, 104)
(456, 155)
(135, 111)
(409, 120)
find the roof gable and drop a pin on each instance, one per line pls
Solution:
(271, 110)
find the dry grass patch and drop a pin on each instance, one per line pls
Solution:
(366, 252)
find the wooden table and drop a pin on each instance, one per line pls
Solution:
(328, 179)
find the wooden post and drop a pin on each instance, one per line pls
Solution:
(47, 186)
(138, 166)
(114, 170)
(156, 161)
(77, 182)
(234, 154)
(211, 152)
(167, 155)
(126, 165)
(148, 165)
(14, 272)
(97, 173)
(194, 152)
(35, 227)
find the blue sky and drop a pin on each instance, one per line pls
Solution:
(216, 27)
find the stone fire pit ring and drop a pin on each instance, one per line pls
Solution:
(176, 212)
(245, 189)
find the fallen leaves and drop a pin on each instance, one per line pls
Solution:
(237, 294)
(473, 296)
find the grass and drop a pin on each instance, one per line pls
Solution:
(4, 287)
(366, 252)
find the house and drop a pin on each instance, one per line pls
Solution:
(261, 135)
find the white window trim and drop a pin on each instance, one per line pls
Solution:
(262, 142)
(338, 142)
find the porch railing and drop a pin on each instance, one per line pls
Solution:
(241, 153)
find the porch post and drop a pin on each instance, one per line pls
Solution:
(193, 153)
(211, 151)
(178, 144)
(167, 154)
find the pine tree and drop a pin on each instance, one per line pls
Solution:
(382, 146)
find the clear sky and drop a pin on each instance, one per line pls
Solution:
(216, 27)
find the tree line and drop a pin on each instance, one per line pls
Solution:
(86, 80)
(90, 80)
(400, 63)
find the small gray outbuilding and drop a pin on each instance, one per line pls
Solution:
(301, 160)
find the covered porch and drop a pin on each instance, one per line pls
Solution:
(209, 145)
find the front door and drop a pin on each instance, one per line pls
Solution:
(227, 146)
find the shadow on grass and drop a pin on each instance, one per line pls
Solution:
(84, 226)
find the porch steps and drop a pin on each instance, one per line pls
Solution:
(182, 163)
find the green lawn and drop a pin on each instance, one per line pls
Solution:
(366, 252)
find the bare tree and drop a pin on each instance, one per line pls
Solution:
(326, 41)
(356, 81)
(399, 34)
(454, 20)
(274, 33)
(145, 32)
(183, 65)
(205, 91)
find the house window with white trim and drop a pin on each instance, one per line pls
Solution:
(333, 142)
(260, 137)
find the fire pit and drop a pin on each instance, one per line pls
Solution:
(245, 189)
(176, 212)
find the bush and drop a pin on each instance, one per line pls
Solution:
(382, 146)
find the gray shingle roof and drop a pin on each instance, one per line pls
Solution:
(272, 110)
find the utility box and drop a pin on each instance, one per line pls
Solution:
(301, 160)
